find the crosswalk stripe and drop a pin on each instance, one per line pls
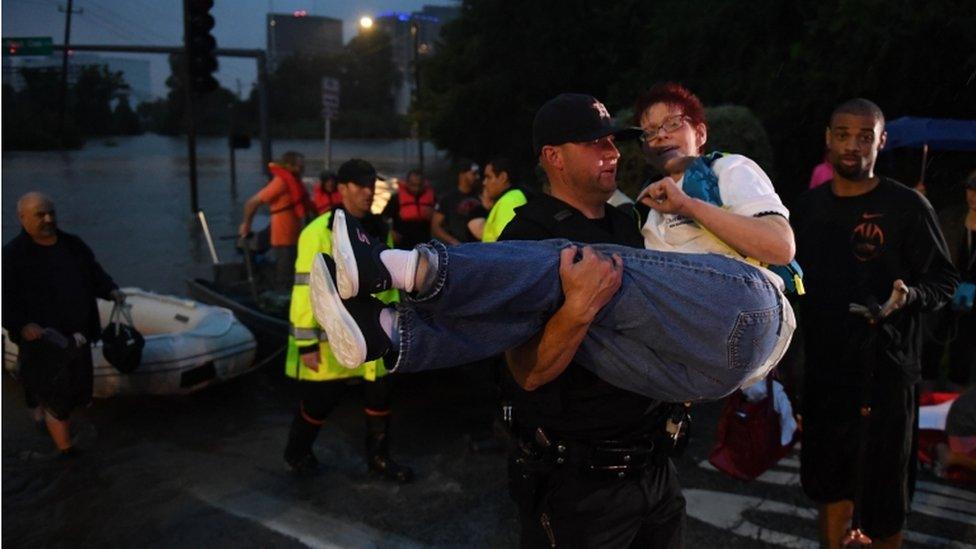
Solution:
(943, 502)
(939, 512)
(311, 528)
(946, 490)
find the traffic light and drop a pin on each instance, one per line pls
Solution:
(200, 45)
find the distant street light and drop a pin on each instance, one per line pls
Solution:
(366, 22)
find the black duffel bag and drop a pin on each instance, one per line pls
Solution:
(122, 344)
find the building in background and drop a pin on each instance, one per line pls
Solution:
(135, 71)
(400, 25)
(299, 32)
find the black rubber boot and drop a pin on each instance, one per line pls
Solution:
(378, 453)
(298, 450)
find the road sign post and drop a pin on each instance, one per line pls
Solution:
(330, 108)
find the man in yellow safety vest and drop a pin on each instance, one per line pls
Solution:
(310, 361)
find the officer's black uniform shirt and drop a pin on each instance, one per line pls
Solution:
(578, 405)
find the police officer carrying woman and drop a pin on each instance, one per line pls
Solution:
(592, 465)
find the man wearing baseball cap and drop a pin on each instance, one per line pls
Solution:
(310, 360)
(591, 467)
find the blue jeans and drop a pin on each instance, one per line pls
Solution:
(682, 327)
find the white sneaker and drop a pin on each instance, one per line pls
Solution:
(346, 340)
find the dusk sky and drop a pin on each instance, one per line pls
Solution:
(240, 24)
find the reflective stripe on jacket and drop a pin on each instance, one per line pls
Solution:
(304, 330)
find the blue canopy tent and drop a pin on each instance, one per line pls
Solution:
(936, 133)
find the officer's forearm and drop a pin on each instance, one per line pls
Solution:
(544, 357)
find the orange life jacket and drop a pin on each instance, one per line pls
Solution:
(413, 207)
(296, 189)
(325, 201)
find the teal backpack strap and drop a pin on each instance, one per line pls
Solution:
(701, 182)
(792, 276)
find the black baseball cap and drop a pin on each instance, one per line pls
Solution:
(575, 118)
(358, 171)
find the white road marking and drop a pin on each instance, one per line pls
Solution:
(724, 510)
(792, 462)
(939, 501)
(772, 476)
(951, 491)
(312, 528)
(938, 512)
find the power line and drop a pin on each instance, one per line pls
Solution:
(150, 6)
(114, 28)
(124, 20)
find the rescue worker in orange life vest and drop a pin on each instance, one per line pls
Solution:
(410, 209)
(289, 203)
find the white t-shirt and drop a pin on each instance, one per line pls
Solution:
(745, 190)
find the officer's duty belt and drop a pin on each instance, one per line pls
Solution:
(605, 458)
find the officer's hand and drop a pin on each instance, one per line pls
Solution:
(590, 283)
(117, 296)
(31, 332)
(311, 360)
(665, 196)
(898, 299)
(244, 229)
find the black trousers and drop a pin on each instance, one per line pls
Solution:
(284, 267)
(57, 381)
(576, 509)
(319, 398)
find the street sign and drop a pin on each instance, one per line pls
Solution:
(28, 45)
(330, 97)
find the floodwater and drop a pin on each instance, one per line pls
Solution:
(129, 198)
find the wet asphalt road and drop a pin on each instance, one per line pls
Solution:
(206, 470)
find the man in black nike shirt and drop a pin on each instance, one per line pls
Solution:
(874, 259)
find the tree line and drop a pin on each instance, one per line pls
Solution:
(98, 103)
(789, 63)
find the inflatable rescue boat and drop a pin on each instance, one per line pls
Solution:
(189, 346)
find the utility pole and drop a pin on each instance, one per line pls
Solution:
(415, 30)
(64, 69)
(191, 129)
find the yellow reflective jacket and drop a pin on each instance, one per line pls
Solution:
(317, 238)
(501, 213)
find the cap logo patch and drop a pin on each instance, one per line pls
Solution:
(601, 110)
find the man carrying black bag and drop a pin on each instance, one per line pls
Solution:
(50, 282)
